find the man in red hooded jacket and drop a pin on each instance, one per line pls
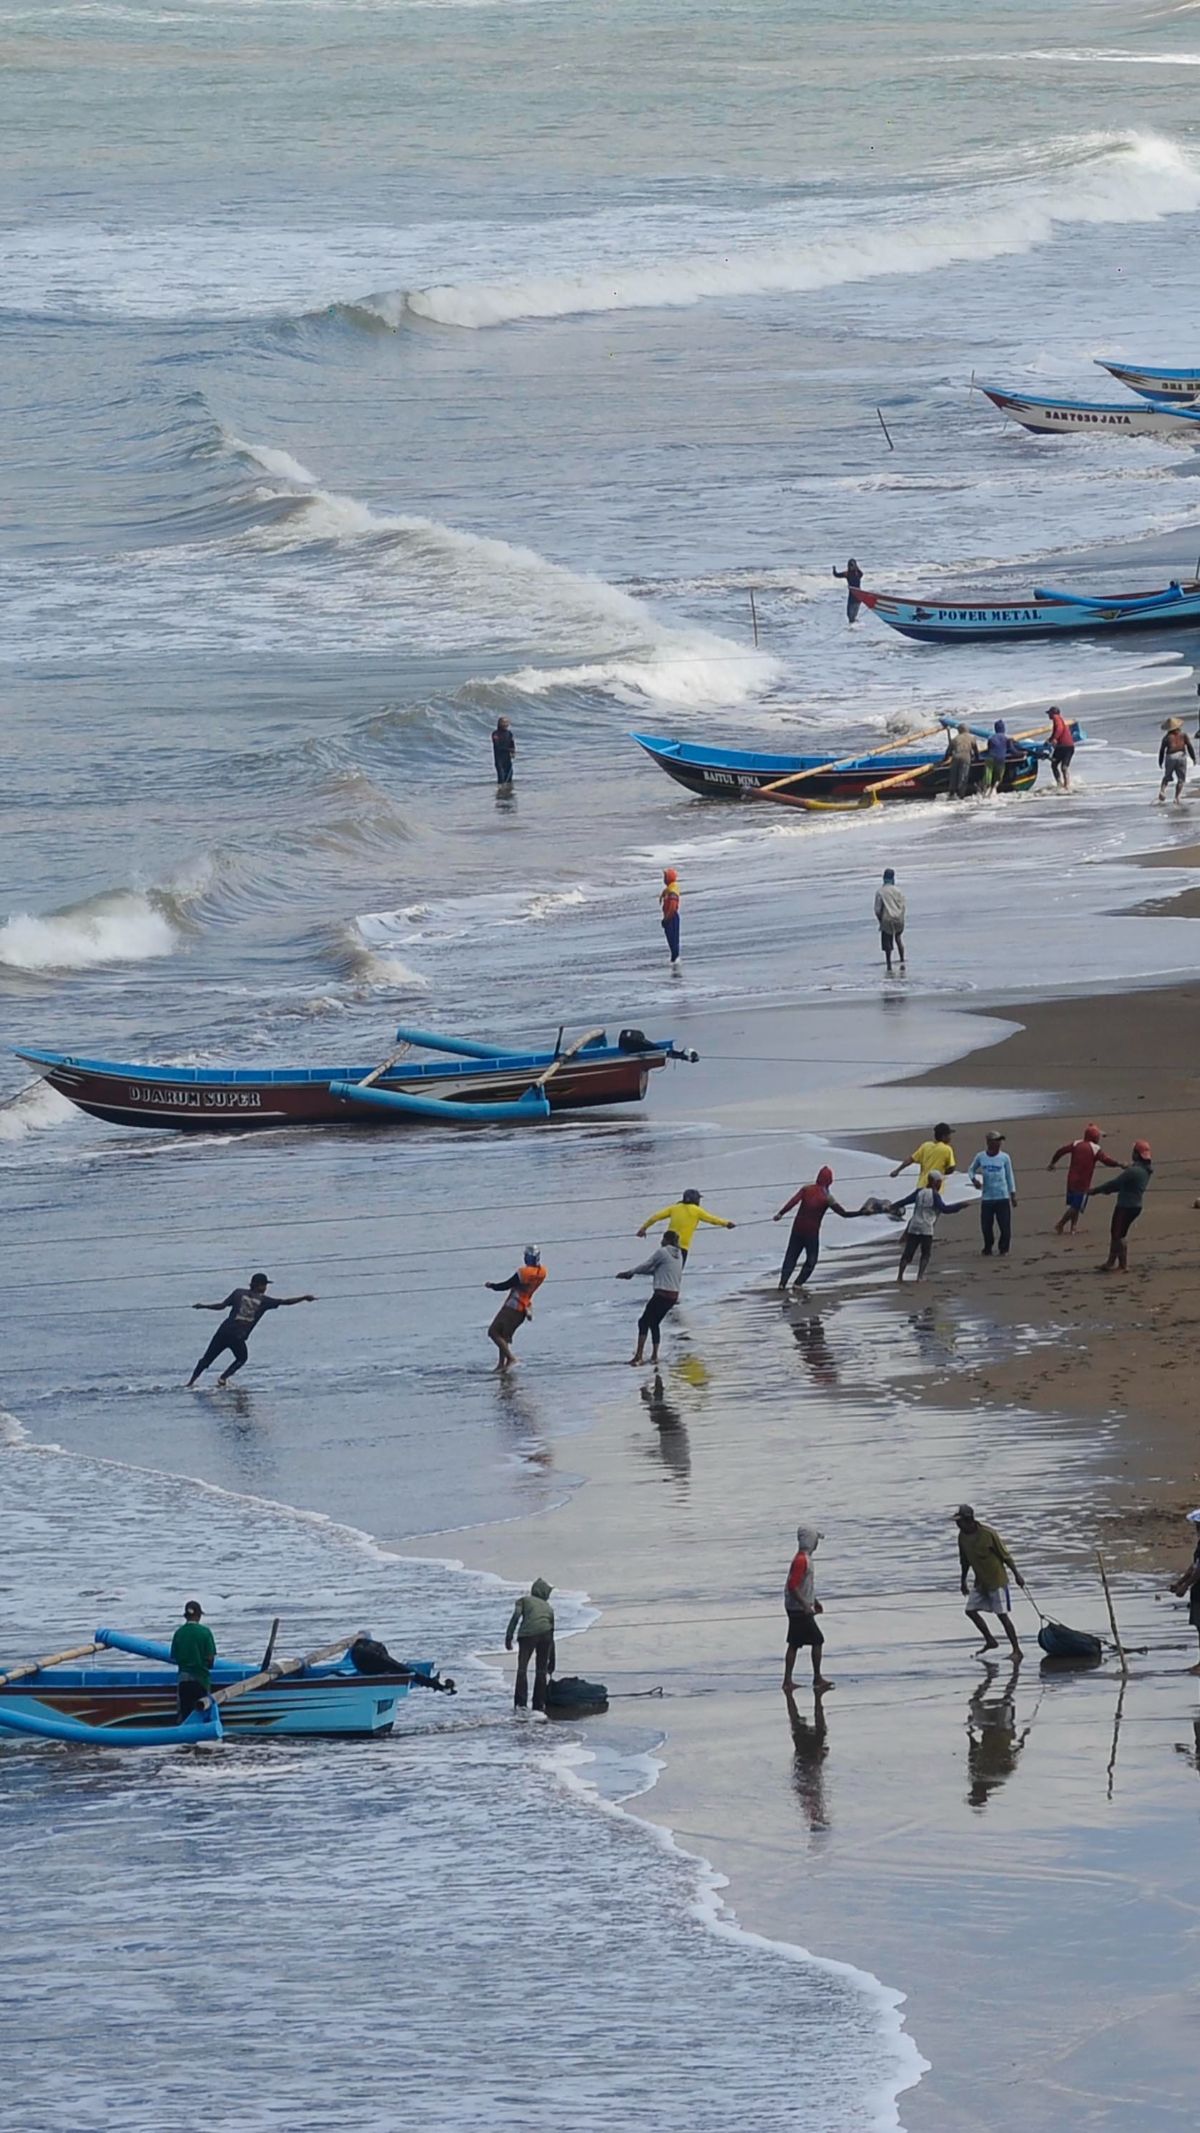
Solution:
(1084, 1155)
(812, 1203)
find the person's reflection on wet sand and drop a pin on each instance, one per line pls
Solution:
(810, 1746)
(1191, 1749)
(671, 1442)
(934, 1333)
(521, 1415)
(992, 1743)
(808, 1332)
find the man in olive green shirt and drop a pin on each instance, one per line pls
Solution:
(193, 1649)
(984, 1559)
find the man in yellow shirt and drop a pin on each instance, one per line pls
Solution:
(685, 1219)
(936, 1154)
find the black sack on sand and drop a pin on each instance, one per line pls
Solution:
(574, 1698)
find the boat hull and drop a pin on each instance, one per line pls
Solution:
(732, 774)
(959, 622)
(116, 1699)
(1180, 384)
(1062, 418)
(245, 1099)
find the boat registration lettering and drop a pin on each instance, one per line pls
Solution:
(735, 780)
(989, 614)
(196, 1099)
(1076, 415)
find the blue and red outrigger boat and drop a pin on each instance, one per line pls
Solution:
(477, 1084)
(1045, 614)
(812, 781)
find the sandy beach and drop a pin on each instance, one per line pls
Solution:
(1011, 1846)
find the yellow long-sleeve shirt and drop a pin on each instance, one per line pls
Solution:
(685, 1219)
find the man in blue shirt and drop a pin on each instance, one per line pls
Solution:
(992, 1174)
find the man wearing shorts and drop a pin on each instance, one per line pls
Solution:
(521, 1289)
(1062, 748)
(1130, 1188)
(665, 1268)
(245, 1308)
(802, 1607)
(890, 909)
(985, 1562)
(1084, 1155)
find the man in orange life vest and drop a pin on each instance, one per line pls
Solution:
(521, 1288)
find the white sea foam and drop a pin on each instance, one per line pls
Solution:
(1120, 178)
(121, 927)
(34, 1110)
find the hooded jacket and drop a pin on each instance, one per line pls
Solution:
(800, 1591)
(533, 1615)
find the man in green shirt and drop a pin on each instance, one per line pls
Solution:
(984, 1559)
(193, 1649)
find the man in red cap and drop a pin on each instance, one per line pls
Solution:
(1084, 1155)
(812, 1203)
(1130, 1188)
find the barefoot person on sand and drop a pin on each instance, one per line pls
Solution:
(926, 1204)
(1189, 1583)
(245, 1308)
(812, 1203)
(802, 1607)
(665, 1268)
(521, 1288)
(1130, 1188)
(984, 1561)
(685, 1218)
(1084, 1153)
(935, 1154)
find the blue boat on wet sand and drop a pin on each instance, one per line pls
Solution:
(812, 781)
(1044, 614)
(1059, 418)
(321, 1695)
(1153, 381)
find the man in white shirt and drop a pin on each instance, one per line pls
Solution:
(890, 910)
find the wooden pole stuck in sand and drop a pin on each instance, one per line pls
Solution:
(886, 431)
(1112, 1615)
(754, 612)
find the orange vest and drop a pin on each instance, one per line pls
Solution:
(529, 1279)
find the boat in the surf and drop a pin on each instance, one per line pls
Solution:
(476, 1084)
(1154, 382)
(813, 781)
(937, 621)
(1061, 418)
(136, 1706)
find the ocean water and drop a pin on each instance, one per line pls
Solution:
(374, 367)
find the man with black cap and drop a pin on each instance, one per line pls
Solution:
(685, 1217)
(245, 1308)
(193, 1649)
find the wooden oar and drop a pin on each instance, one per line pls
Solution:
(279, 1672)
(558, 1064)
(908, 777)
(847, 762)
(34, 1666)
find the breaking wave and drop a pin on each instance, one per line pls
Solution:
(1123, 177)
(121, 926)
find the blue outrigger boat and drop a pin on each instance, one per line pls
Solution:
(1059, 418)
(323, 1695)
(1046, 614)
(477, 1085)
(1153, 382)
(811, 781)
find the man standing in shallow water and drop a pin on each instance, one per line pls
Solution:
(802, 1607)
(985, 1561)
(245, 1308)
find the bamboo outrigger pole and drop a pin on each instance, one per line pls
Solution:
(34, 1666)
(846, 762)
(279, 1671)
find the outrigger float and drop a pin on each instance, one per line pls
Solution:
(322, 1694)
(477, 1085)
(1047, 613)
(811, 781)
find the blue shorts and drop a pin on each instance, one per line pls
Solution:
(1077, 1201)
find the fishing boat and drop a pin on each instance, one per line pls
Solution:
(477, 1084)
(1046, 614)
(136, 1706)
(812, 781)
(1153, 383)
(1059, 418)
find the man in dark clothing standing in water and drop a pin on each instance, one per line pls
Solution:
(245, 1308)
(193, 1649)
(853, 577)
(504, 748)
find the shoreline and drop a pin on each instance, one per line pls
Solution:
(980, 1354)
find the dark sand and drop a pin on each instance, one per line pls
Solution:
(1015, 1850)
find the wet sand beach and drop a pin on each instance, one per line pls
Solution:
(1012, 1846)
